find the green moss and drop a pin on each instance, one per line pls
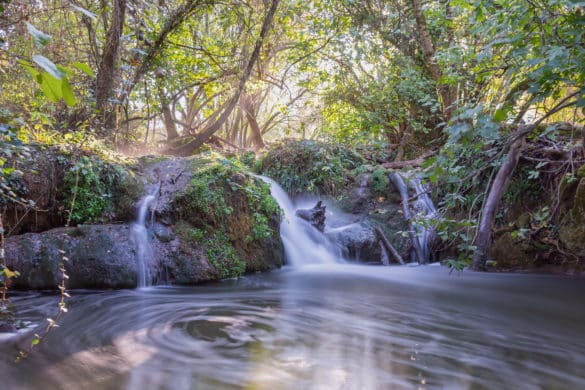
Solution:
(100, 189)
(228, 213)
(223, 257)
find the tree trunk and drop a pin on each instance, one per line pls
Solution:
(105, 79)
(447, 93)
(174, 21)
(499, 185)
(248, 108)
(388, 245)
(168, 117)
(209, 131)
(169, 121)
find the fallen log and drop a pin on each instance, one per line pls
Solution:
(388, 245)
(417, 162)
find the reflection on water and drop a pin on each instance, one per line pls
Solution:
(322, 327)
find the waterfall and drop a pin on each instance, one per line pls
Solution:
(416, 208)
(424, 208)
(303, 243)
(139, 233)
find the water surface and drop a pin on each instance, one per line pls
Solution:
(318, 327)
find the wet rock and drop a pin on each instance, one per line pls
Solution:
(315, 216)
(360, 241)
(163, 233)
(572, 226)
(100, 256)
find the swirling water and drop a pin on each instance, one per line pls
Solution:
(317, 327)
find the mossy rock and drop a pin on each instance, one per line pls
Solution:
(105, 191)
(231, 216)
(572, 226)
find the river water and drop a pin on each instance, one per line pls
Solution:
(317, 327)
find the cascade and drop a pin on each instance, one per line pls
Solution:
(139, 234)
(418, 207)
(303, 243)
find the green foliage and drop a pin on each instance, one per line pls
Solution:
(94, 183)
(310, 166)
(224, 209)
(379, 181)
(223, 257)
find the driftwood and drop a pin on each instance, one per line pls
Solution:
(315, 216)
(388, 245)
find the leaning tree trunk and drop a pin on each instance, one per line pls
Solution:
(499, 185)
(106, 76)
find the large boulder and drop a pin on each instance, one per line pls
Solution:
(359, 239)
(213, 221)
(100, 256)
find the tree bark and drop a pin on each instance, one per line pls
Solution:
(388, 245)
(174, 21)
(408, 163)
(447, 93)
(107, 70)
(249, 109)
(499, 185)
(209, 131)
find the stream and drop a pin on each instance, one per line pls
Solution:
(324, 326)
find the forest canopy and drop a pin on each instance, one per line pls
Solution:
(466, 82)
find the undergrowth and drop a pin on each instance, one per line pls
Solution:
(311, 166)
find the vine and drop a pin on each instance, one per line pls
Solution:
(53, 322)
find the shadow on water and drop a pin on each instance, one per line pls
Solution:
(317, 327)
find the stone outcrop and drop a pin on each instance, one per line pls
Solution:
(213, 221)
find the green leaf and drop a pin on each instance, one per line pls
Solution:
(68, 95)
(84, 68)
(51, 87)
(41, 39)
(87, 13)
(501, 115)
(48, 66)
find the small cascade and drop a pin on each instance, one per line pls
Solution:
(416, 208)
(424, 208)
(303, 243)
(139, 232)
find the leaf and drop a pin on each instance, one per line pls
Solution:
(41, 39)
(501, 115)
(87, 13)
(48, 66)
(84, 68)
(51, 87)
(67, 93)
